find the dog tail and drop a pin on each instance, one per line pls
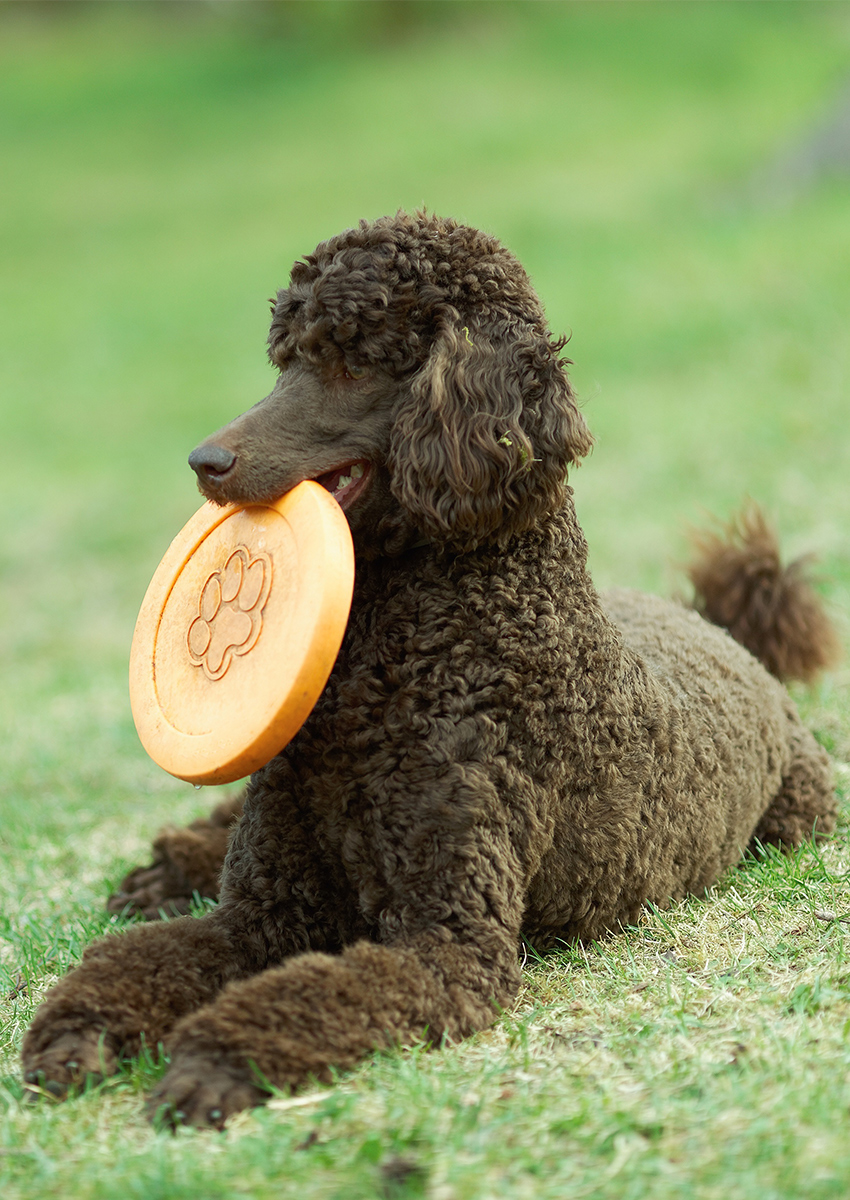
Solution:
(741, 584)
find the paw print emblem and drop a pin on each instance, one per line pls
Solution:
(230, 612)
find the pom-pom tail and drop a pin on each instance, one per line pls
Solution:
(741, 584)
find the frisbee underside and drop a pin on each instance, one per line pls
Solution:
(238, 633)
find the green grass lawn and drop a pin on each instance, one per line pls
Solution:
(162, 167)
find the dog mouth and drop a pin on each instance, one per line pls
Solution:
(218, 478)
(345, 483)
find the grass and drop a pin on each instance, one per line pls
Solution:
(163, 166)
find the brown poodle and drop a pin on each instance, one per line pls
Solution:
(499, 750)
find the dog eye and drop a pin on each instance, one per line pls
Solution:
(352, 371)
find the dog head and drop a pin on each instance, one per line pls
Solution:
(418, 382)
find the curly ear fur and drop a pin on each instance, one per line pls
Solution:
(481, 447)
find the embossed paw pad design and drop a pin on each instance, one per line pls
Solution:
(230, 612)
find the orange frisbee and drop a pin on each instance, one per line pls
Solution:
(239, 631)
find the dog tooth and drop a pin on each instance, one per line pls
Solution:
(357, 471)
(343, 482)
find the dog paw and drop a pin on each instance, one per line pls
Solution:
(152, 891)
(68, 1064)
(186, 864)
(203, 1092)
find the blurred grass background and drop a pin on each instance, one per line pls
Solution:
(675, 177)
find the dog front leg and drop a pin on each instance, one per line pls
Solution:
(137, 985)
(294, 1023)
(129, 990)
(442, 886)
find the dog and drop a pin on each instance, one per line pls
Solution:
(499, 751)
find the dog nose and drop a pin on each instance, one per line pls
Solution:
(210, 461)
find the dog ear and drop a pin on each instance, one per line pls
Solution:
(481, 445)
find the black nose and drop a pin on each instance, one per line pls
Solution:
(209, 462)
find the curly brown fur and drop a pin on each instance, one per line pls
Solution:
(773, 610)
(499, 750)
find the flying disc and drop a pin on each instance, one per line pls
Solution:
(238, 633)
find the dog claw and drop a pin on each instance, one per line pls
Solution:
(152, 893)
(202, 1093)
(70, 1064)
(38, 1088)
